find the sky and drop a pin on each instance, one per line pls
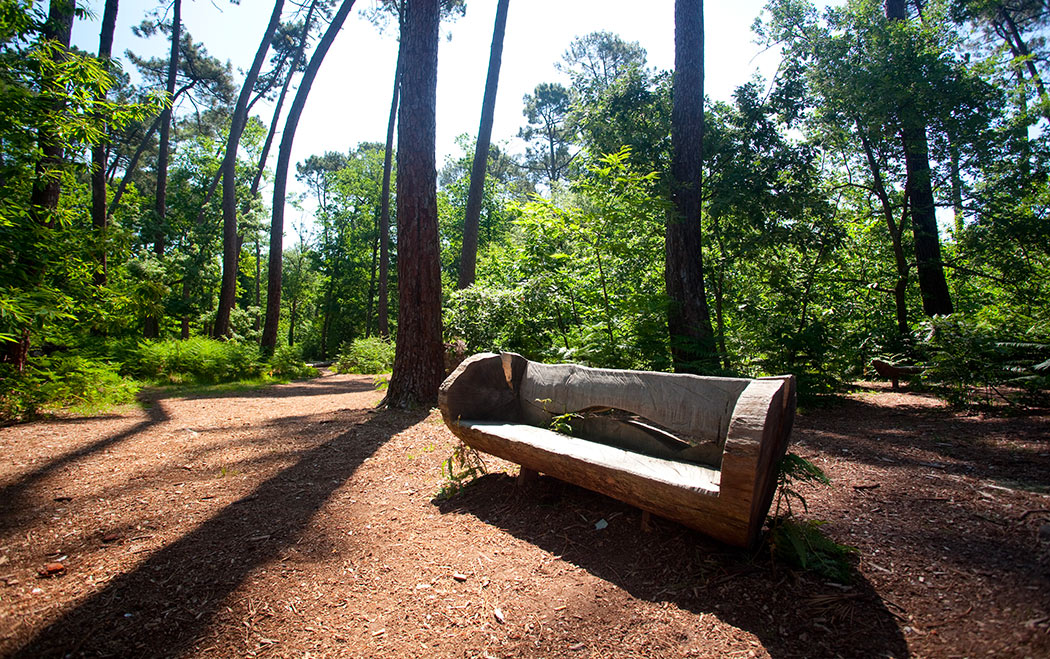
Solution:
(350, 100)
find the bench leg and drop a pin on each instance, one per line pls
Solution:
(527, 476)
(647, 522)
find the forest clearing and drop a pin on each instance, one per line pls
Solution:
(178, 478)
(299, 520)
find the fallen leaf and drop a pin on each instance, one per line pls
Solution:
(51, 569)
(459, 576)
(499, 615)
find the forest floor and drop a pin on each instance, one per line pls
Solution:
(298, 521)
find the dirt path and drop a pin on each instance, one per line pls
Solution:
(297, 521)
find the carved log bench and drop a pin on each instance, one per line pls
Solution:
(895, 372)
(698, 450)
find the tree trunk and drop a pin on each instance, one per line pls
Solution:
(689, 321)
(900, 287)
(143, 143)
(230, 243)
(152, 324)
(47, 184)
(418, 358)
(384, 215)
(98, 156)
(472, 216)
(280, 181)
(299, 52)
(936, 298)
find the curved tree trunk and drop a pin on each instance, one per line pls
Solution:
(418, 359)
(280, 181)
(98, 155)
(689, 320)
(299, 52)
(472, 216)
(230, 240)
(152, 323)
(384, 214)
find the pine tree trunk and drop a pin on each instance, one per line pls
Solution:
(384, 215)
(299, 52)
(230, 242)
(151, 330)
(936, 298)
(98, 156)
(689, 321)
(418, 359)
(472, 216)
(280, 181)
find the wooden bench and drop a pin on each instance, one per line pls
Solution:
(895, 372)
(699, 450)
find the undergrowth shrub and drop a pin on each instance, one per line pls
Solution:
(287, 364)
(62, 381)
(369, 356)
(199, 360)
(970, 362)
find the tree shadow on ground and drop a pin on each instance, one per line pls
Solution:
(1014, 450)
(792, 614)
(319, 386)
(13, 494)
(167, 602)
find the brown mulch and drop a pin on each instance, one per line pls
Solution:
(298, 521)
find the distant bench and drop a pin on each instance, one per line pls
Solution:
(699, 450)
(895, 372)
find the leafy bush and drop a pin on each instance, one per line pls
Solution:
(198, 360)
(287, 364)
(972, 362)
(372, 355)
(801, 543)
(62, 381)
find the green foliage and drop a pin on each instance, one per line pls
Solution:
(973, 362)
(462, 467)
(369, 356)
(63, 380)
(801, 543)
(287, 364)
(196, 360)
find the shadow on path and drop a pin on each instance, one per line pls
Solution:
(166, 604)
(13, 494)
(791, 616)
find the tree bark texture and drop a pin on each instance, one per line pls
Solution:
(936, 298)
(280, 182)
(299, 53)
(900, 287)
(230, 241)
(151, 328)
(161, 202)
(384, 214)
(689, 320)
(472, 216)
(98, 155)
(418, 359)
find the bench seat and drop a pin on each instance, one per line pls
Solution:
(747, 424)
